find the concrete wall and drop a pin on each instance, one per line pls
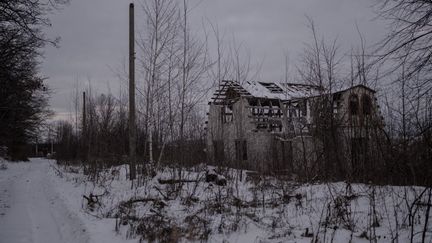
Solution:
(259, 143)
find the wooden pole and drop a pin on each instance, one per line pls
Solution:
(84, 129)
(84, 115)
(37, 150)
(51, 140)
(132, 125)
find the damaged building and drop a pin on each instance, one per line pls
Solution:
(292, 128)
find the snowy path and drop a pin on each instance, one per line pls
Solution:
(31, 210)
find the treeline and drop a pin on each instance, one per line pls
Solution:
(104, 137)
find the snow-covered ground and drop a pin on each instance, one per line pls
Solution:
(38, 206)
(42, 201)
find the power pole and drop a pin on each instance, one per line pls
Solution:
(37, 150)
(132, 125)
(84, 114)
(84, 129)
(51, 139)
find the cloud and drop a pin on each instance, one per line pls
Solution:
(94, 35)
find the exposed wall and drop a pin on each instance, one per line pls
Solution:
(296, 150)
(258, 143)
(355, 120)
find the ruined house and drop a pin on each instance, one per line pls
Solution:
(293, 128)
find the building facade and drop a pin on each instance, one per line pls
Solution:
(286, 127)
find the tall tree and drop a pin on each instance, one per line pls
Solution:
(23, 94)
(159, 47)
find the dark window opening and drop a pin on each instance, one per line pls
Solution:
(336, 102)
(291, 112)
(337, 96)
(275, 126)
(353, 105)
(241, 150)
(266, 114)
(336, 106)
(231, 94)
(262, 125)
(366, 105)
(303, 108)
(218, 149)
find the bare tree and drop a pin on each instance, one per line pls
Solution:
(194, 65)
(409, 40)
(221, 63)
(158, 46)
(319, 66)
(405, 52)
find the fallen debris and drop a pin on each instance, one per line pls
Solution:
(212, 176)
(92, 201)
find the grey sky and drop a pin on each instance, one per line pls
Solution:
(94, 35)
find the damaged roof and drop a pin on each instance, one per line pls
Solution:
(268, 90)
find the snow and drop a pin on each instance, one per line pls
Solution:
(331, 212)
(289, 91)
(35, 213)
(42, 201)
(38, 206)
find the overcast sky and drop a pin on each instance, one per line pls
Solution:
(94, 36)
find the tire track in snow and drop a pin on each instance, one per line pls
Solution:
(34, 212)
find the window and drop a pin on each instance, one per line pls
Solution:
(231, 94)
(218, 149)
(292, 112)
(336, 106)
(244, 150)
(275, 126)
(336, 102)
(241, 150)
(366, 104)
(303, 108)
(227, 114)
(353, 105)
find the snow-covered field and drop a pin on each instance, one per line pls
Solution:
(43, 202)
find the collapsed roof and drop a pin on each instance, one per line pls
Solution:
(267, 90)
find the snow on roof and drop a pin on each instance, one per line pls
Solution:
(348, 87)
(268, 90)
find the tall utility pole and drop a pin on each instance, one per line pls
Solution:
(51, 139)
(84, 129)
(84, 115)
(132, 125)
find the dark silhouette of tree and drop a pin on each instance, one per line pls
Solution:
(23, 94)
(406, 51)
